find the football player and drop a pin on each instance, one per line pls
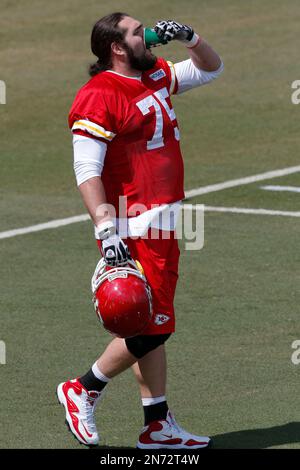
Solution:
(126, 143)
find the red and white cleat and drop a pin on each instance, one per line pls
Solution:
(166, 434)
(80, 405)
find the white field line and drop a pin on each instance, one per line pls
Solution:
(292, 189)
(240, 210)
(242, 181)
(85, 217)
(45, 226)
(194, 192)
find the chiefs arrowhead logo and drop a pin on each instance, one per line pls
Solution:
(160, 319)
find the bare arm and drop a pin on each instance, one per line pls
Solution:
(113, 249)
(94, 198)
(204, 57)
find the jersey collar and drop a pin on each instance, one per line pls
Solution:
(138, 77)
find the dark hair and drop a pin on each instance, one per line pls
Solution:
(104, 32)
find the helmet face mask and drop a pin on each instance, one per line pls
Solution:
(122, 299)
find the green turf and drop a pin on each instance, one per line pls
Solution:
(230, 370)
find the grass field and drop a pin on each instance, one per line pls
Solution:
(230, 369)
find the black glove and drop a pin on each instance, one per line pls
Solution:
(114, 251)
(169, 30)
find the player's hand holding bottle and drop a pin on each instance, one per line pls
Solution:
(170, 29)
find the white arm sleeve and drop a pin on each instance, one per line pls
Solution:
(89, 155)
(189, 76)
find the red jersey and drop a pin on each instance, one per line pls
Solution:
(134, 116)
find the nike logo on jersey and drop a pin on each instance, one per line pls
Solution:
(157, 75)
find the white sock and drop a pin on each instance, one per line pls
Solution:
(153, 400)
(97, 373)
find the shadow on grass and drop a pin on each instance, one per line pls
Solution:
(288, 433)
(110, 448)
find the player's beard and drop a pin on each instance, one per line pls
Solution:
(142, 62)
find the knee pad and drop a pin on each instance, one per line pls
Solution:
(140, 345)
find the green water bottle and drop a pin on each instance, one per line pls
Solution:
(151, 39)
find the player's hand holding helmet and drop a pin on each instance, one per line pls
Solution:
(170, 29)
(122, 298)
(114, 251)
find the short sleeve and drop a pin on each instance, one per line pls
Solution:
(173, 78)
(93, 114)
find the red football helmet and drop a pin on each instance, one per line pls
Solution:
(122, 299)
